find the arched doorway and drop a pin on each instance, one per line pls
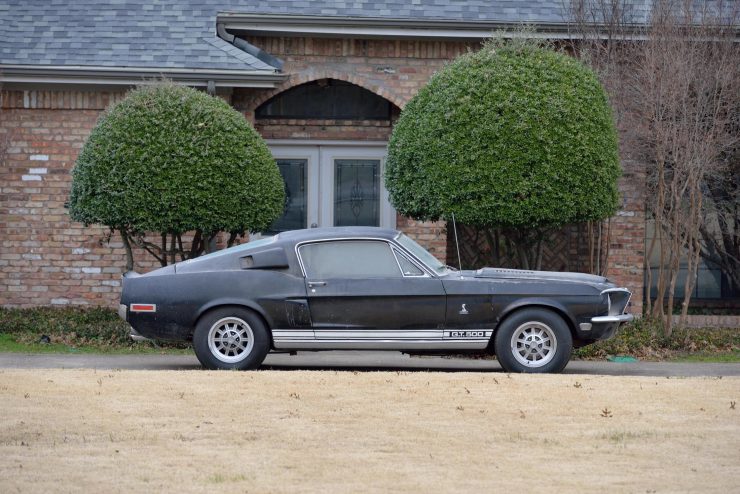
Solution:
(329, 139)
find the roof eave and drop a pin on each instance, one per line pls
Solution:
(375, 27)
(18, 75)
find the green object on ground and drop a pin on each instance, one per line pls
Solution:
(621, 359)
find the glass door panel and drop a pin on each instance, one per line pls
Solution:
(295, 176)
(329, 184)
(356, 192)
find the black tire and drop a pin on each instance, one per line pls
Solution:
(533, 340)
(231, 338)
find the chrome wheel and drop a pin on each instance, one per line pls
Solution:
(534, 344)
(230, 339)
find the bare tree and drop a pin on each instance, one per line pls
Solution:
(674, 84)
(684, 92)
(720, 230)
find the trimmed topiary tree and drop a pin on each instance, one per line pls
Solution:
(515, 137)
(169, 160)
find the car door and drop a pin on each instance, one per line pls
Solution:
(357, 290)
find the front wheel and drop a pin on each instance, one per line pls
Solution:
(231, 338)
(533, 341)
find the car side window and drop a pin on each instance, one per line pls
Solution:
(349, 259)
(407, 267)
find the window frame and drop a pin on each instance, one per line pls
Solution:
(392, 246)
(397, 253)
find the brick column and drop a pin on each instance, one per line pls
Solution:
(627, 244)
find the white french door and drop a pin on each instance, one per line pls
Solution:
(332, 184)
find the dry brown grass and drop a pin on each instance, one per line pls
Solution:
(273, 431)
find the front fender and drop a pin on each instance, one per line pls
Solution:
(554, 305)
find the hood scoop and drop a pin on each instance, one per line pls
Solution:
(537, 275)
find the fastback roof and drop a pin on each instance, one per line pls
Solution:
(296, 236)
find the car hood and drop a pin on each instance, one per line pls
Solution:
(498, 273)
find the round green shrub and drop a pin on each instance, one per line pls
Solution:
(169, 158)
(513, 137)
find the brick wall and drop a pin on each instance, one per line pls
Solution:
(431, 235)
(44, 258)
(353, 130)
(393, 69)
(626, 263)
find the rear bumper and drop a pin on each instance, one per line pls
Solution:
(122, 311)
(137, 337)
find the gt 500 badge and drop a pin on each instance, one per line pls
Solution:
(465, 334)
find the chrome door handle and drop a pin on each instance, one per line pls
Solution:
(312, 284)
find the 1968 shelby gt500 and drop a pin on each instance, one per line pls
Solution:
(366, 288)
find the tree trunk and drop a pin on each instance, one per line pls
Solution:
(540, 247)
(129, 252)
(173, 248)
(649, 274)
(163, 259)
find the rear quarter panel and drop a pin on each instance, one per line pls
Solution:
(183, 297)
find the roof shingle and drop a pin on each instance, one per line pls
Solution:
(182, 33)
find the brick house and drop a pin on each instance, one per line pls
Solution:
(322, 82)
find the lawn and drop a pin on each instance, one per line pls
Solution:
(304, 431)
(724, 357)
(29, 343)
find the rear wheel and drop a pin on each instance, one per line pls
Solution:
(231, 338)
(534, 341)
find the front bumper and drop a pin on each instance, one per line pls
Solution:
(605, 326)
(621, 318)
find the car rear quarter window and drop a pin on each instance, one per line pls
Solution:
(349, 259)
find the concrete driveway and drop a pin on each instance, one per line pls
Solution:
(350, 360)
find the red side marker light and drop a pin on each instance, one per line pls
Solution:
(143, 308)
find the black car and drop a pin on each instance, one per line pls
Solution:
(366, 288)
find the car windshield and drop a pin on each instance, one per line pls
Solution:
(422, 254)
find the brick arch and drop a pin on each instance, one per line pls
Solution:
(303, 78)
